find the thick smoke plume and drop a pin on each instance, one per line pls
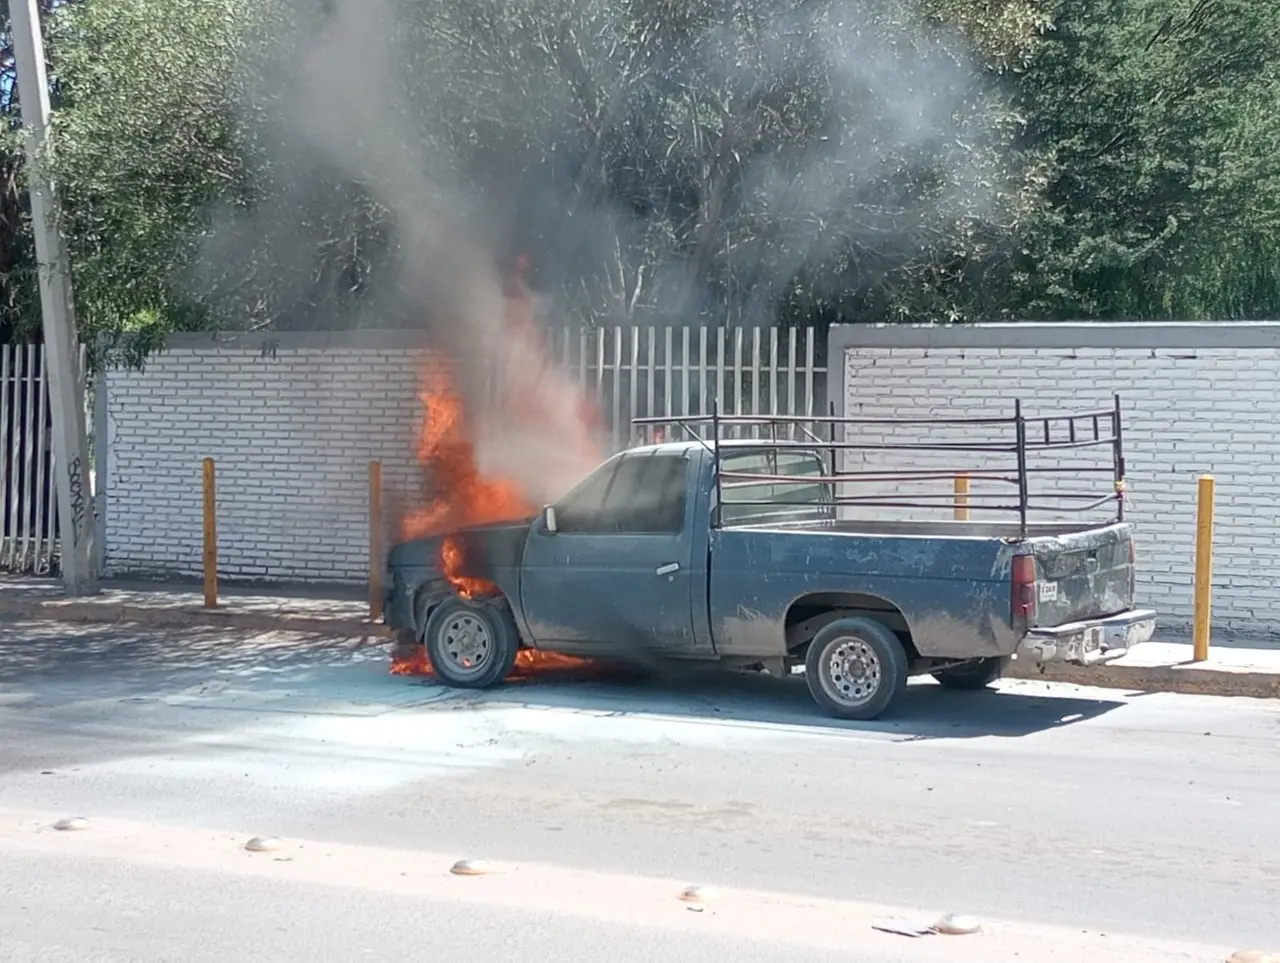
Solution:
(438, 138)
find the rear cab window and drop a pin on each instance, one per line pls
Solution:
(805, 497)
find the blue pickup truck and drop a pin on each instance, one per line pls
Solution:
(734, 551)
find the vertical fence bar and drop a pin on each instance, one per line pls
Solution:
(737, 378)
(667, 408)
(715, 441)
(617, 388)
(773, 371)
(684, 371)
(8, 463)
(27, 492)
(720, 370)
(600, 399)
(702, 374)
(792, 361)
(651, 374)
(633, 380)
(755, 371)
(808, 374)
(42, 540)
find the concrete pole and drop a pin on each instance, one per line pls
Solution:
(62, 350)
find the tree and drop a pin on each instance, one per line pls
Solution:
(144, 143)
(726, 159)
(746, 161)
(19, 311)
(1156, 126)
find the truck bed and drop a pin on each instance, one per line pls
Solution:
(949, 586)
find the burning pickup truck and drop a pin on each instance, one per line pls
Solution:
(733, 550)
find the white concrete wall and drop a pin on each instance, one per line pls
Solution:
(1196, 399)
(292, 437)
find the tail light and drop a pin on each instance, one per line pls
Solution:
(1024, 589)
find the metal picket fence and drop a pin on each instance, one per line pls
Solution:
(28, 500)
(636, 372)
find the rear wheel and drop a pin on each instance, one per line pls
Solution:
(471, 645)
(973, 675)
(855, 668)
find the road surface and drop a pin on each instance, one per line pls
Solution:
(1055, 814)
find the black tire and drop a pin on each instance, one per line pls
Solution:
(878, 654)
(972, 676)
(480, 633)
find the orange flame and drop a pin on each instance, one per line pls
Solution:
(528, 662)
(532, 398)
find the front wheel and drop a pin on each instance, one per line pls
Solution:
(971, 676)
(471, 645)
(855, 668)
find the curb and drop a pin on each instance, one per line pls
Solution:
(185, 617)
(1187, 679)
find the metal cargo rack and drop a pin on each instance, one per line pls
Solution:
(1022, 439)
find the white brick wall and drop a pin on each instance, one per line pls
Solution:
(1187, 411)
(292, 437)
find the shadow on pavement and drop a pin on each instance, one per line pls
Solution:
(925, 711)
(122, 661)
(205, 667)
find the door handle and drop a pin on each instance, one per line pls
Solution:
(667, 569)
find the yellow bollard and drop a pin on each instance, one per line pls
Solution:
(1204, 569)
(962, 498)
(375, 540)
(210, 537)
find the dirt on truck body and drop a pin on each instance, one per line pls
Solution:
(738, 550)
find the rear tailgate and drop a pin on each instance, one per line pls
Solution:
(1083, 575)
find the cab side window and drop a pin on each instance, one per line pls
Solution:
(637, 493)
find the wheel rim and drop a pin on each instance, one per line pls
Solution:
(466, 642)
(851, 672)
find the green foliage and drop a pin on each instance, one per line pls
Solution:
(738, 161)
(144, 144)
(1157, 125)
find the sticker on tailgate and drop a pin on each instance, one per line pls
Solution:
(1048, 591)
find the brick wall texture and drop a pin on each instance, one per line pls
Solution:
(292, 437)
(1187, 412)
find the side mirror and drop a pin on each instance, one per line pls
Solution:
(549, 519)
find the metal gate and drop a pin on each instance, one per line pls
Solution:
(634, 372)
(28, 505)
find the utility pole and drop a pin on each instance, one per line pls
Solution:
(62, 355)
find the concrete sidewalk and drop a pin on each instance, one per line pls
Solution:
(1166, 666)
(327, 609)
(1158, 666)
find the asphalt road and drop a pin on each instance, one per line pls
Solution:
(1055, 814)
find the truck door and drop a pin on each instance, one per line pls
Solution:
(617, 573)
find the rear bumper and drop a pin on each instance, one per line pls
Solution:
(1091, 642)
